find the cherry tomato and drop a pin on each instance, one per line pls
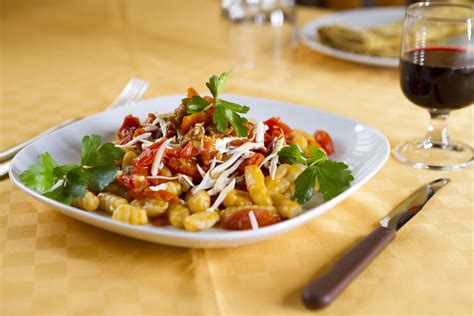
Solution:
(142, 164)
(255, 159)
(129, 125)
(275, 123)
(240, 220)
(184, 166)
(323, 138)
(192, 149)
(161, 220)
(162, 194)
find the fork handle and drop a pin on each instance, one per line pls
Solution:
(323, 290)
(12, 151)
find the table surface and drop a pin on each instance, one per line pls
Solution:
(62, 59)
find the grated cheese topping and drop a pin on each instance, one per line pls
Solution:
(220, 198)
(224, 179)
(260, 132)
(157, 165)
(139, 138)
(253, 221)
(162, 186)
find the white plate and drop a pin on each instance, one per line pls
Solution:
(357, 19)
(362, 147)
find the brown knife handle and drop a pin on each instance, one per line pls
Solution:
(323, 290)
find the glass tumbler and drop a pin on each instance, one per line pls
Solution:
(260, 31)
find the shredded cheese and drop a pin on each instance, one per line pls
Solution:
(220, 198)
(201, 172)
(186, 178)
(162, 177)
(159, 187)
(260, 132)
(224, 179)
(139, 138)
(159, 154)
(253, 220)
(220, 144)
(150, 128)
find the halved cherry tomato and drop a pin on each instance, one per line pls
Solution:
(142, 164)
(255, 159)
(275, 123)
(240, 220)
(208, 152)
(161, 220)
(135, 184)
(323, 138)
(129, 125)
(184, 166)
(192, 149)
(150, 118)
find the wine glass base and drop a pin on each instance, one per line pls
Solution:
(421, 154)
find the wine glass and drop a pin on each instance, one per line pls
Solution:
(437, 73)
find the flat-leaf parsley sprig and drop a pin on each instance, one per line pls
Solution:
(61, 183)
(225, 112)
(332, 177)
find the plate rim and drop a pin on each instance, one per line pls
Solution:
(340, 54)
(103, 221)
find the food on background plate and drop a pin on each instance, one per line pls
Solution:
(203, 165)
(383, 40)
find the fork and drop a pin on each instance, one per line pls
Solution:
(133, 91)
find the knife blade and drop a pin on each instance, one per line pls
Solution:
(324, 289)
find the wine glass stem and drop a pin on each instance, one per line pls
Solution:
(438, 130)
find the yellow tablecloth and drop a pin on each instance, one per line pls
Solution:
(62, 59)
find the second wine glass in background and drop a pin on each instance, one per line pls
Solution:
(260, 31)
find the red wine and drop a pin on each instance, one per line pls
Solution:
(438, 77)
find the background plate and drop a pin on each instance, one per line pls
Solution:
(357, 19)
(362, 147)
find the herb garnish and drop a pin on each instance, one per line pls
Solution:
(61, 183)
(225, 112)
(333, 177)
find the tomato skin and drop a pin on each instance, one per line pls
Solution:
(163, 194)
(184, 166)
(192, 149)
(240, 220)
(323, 138)
(126, 131)
(142, 164)
(255, 159)
(275, 123)
(161, 220)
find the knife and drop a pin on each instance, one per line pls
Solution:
(324, 289)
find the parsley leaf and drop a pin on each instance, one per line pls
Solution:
(97, 170)
(227, 112)
(304, 185)
(95, 155)
(60, 194)
(333, 178)
(198, 104)
(216, 84)
(316, 155)
(40, 177)
(291, 154)
(99, 177)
